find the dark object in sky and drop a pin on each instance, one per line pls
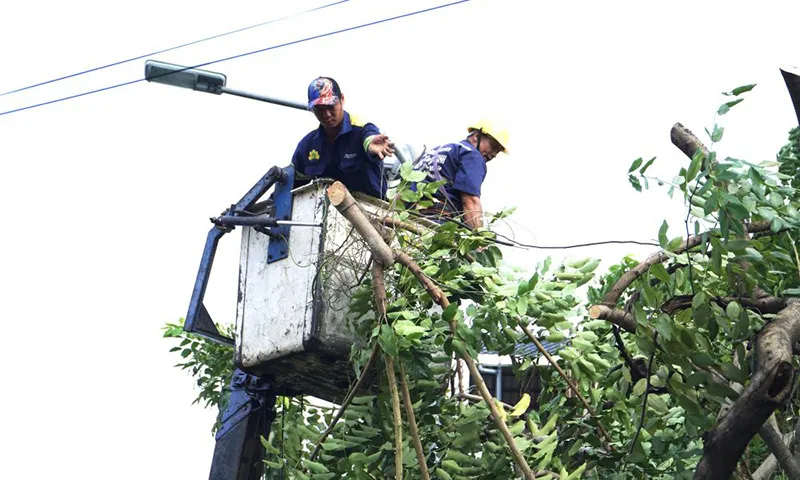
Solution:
(791, 76)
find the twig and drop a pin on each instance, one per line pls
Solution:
(346, 402)
(571, 384)
(796, 255)
(646, 392)
(398, 422)
(412, 422)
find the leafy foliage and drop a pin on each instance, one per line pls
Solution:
(656, 390)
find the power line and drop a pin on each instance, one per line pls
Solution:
(275, 20)
(369, 24)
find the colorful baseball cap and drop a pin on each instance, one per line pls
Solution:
(323, 91)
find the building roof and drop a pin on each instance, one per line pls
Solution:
(530, 350)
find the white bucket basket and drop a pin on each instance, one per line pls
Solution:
(291, 320)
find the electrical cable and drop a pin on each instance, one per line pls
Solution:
(220, 35)
(274, 47)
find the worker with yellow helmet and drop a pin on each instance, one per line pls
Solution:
(463, 166)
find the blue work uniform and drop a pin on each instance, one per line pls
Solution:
(344, 159)
(461, 164)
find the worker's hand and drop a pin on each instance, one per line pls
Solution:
(381, 146)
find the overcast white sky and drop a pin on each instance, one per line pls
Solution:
(106, 197)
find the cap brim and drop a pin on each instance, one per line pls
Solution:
(332, 100)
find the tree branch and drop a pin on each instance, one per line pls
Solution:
(348, 399)
(379, 289)
(616, 316)
(412, 422)
(344, 203)
(398, 422)
(770, 386)
(762, 305)
(771, 435)
(571, 384)
(686, 141)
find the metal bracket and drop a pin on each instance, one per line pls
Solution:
(278, 248)
(197, 319)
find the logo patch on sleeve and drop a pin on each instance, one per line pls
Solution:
(313, 156)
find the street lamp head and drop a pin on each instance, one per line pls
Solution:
(178, 76)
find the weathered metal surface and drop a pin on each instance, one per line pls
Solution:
(292, 314)
(198, 319)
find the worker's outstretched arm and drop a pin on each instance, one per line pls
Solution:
(473, 210)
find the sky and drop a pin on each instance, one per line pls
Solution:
(108, 195)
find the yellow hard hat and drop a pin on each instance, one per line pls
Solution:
(495, 130)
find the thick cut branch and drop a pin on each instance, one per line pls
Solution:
(770, 386)
(686, 141)
(341, 199)
(616, 316)
(344, 202)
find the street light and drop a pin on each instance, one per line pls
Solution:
(791, 75)
(203, 81)
(212, 82)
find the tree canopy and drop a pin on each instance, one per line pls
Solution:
(677, 366)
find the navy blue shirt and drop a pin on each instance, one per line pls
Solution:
(344, 159)
(461, 165)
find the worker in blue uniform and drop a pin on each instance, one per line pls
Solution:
(343, 147)
(463, 166)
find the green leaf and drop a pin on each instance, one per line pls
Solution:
(660, 272)
(743, 89)
(409, 329)
(521, 406)
(737, 210)
(405, 170)
(792, 292)
(725, 107)
(640, 387)
(662, 234)
(695, 165)
(716, 135)
(733, 310)
(388, 341)
(635, 183)
(664, 326)
(635, 164)
(647, 165)
(702, 359)
(720, 390)
(755, 254)
(733, 373)
(416, 176)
